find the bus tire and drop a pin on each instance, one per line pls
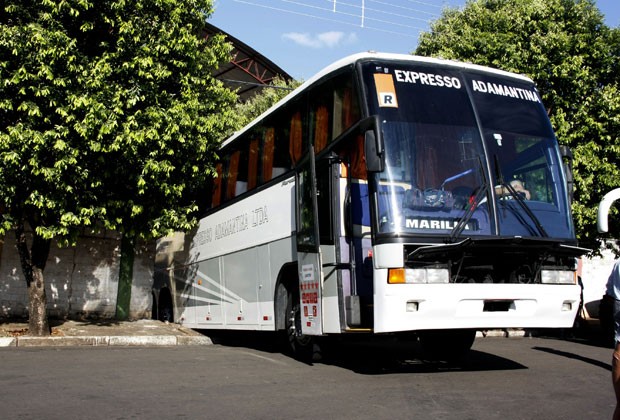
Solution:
(304, 347)
(446, 345)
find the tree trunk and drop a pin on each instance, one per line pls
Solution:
(38, 324)
(33, 263)
(125, 276)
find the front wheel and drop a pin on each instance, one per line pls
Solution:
(304, 347)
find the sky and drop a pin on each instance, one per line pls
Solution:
(304, 36)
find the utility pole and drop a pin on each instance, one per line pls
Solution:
(363, 10)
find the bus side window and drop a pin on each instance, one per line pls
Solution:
(253, 164)
(281, 155)
(346, 110)
(216, 197)
(358, 161)
(241, 186)
(353, 151)
(268, 154)
(335, 108)
(295, 138)
(321, 128)
(231, 178)
(319, 118)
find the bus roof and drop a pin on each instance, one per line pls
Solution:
(371, 55)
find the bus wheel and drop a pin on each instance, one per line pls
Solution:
(446, 345)
(304, 347)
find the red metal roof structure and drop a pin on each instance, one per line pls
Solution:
(248, 70)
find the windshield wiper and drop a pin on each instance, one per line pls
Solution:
(519, 199)
(475, 200)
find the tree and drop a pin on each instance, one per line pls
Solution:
(564, 46)
(109, 118)
(265, 99)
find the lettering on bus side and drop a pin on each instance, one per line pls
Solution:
(259, 216)
(233, 225)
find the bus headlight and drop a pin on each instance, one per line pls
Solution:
(558, 277)
(418, 275)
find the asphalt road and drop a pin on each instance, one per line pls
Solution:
(245, 377)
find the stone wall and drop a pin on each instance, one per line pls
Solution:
(81, 282)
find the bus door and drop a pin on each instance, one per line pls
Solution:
(308, 247)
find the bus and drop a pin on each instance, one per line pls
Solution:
(387, 195)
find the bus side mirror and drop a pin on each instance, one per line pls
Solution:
(373, 152)
(373, 144)
(567, 162)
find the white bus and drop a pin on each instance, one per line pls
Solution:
(388, 194)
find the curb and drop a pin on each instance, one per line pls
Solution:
(8, 342)
(164, 340)
(105, 341)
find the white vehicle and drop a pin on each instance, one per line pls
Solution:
(388, 194)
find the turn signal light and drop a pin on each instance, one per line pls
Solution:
(396, 275)
(418, 276)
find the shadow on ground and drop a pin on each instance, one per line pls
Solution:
(369, 356)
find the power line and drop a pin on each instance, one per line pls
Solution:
(339, 21)
(387, 13)
(396, 6)
(291, 11)
(321, 12)
(424, 3)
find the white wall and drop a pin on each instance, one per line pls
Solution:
(594, 274)
(81, 282)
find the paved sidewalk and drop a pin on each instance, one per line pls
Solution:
(102, 333)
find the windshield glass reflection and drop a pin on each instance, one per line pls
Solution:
(467, 154)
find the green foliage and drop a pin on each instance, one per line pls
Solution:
(249, 110)
(109, 115)
(564, 46)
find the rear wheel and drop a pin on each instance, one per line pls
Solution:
(446, 345)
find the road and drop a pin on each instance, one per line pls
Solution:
(245, 377)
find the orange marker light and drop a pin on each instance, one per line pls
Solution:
(396, 275)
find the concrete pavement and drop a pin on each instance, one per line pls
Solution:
(102, 333)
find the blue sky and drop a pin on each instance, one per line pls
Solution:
(304, 36)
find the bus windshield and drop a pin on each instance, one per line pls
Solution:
(466, 154)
